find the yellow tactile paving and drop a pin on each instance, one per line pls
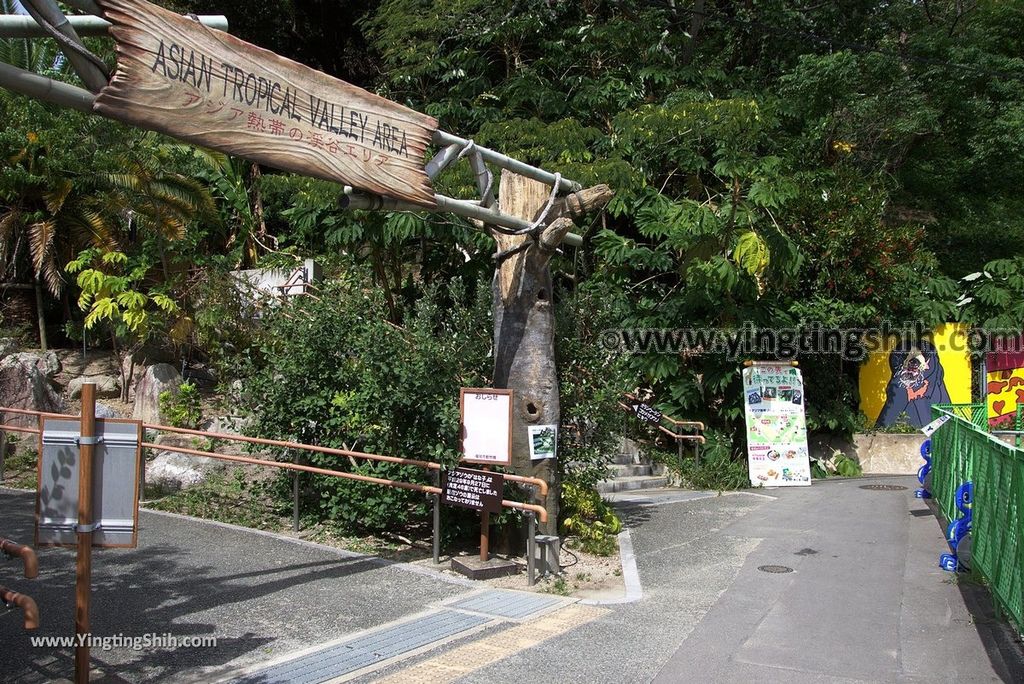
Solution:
(451, 665)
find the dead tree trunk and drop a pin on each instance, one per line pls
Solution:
(524, 324)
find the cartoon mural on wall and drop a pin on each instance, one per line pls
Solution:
(1004, 381)
(908, 376)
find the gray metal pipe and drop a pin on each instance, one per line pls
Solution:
(46, 11)
(46, 89)
(24, 26)
(513, 165)
(357, 200)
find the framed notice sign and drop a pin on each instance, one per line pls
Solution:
(486, 425)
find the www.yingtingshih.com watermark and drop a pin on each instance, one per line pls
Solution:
(140, 642)
(853, 344)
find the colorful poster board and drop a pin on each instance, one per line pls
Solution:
(486, 425)
(773, 396)
(908, 376)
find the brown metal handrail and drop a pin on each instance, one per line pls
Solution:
(25, 602)
(681, 423)
(27, 555)
(539, 510)
(428, 465)
(542, 486)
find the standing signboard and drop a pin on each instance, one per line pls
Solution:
(486, 426)
(194, 83)
(773, 396)
(115, 483)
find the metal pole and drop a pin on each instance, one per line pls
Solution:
(3, 452)
(46, 89)
(437, 519)
(83, 564)
(485, 525)
(24, 26)
(531, 547)
(295, 502)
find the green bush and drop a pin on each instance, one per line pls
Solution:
(722, 467)
(182, 408)
(586, 516)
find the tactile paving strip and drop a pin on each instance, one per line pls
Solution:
(513, 605)
(367, 649)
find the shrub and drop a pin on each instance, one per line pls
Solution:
(182, 408)
(590, 519)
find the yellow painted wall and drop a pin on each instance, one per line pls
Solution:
(950, 339)
(1003, 403)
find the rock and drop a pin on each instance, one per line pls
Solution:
(104, 411)
(47, 362)
(225, 425)
(107, 386)
(24, 384)
(171, 470)
(158, 378)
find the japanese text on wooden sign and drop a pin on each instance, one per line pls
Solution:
(476, 489)
(178, 77)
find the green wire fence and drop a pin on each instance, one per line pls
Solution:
(962, 451)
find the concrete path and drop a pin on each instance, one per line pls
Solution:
(865, 602)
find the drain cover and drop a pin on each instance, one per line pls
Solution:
(883, 487)
(775, 569)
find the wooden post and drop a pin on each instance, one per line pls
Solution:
(524, 320)
(83, 564)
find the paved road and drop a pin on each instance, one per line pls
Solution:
(865, 602)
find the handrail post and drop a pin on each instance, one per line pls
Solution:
(437, 519)
(531, 547)
(295, 497)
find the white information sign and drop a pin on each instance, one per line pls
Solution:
(773, 396)
(486, 425)
(543, 441)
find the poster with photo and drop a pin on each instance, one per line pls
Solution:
(773, 399)
(543, 441)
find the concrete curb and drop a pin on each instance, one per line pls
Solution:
(630, 575)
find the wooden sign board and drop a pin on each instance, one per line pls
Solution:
(478, 490)
(117, 460)
(178, 77)
(486, 426)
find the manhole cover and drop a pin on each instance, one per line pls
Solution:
(883, 487)
(776, 569)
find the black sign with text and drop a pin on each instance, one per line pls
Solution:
(475, 489)
(646, 413)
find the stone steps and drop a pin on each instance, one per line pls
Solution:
(626, 484)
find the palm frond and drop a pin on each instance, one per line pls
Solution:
(55, 196)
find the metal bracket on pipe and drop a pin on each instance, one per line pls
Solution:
(85, 529)
(88, 441)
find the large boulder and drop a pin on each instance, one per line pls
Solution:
(107, 386)
(47, 362)
(24, 384)
(158, 378)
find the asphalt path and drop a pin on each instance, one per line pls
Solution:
(865, 600)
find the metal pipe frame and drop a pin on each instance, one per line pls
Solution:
(47, 11)
(354, 199)
(27, 555)
(25, 602)
(87, 26)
